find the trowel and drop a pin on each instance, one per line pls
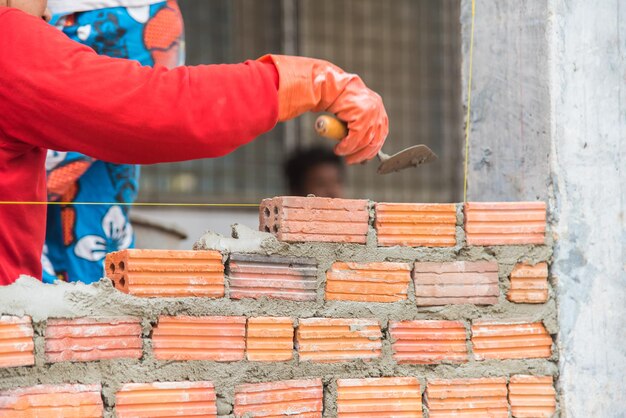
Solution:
(332, 128)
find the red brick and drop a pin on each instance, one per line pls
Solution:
(215, 338)
(381, 397)
(50, 401)
(16, 341)
(368, 282)
(468, 398)
(529, 284)
(459, 282)
(302, 219)
(510, 223)
(256, 276)
(89, 339)
(494, 340)
(167, 273)
(532, 396)
(338, 339)
(166, 399)
(269, 339)
(416, 224)
(429, 342)
(290, 398)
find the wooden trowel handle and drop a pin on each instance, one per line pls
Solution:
(330, 127)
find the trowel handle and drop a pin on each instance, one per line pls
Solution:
(330, 127)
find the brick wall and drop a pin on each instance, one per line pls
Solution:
(353, 309)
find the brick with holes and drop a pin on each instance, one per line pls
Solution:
(167, 273)
(302, 219)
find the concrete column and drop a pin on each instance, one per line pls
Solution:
(549, 122)
(588, 163)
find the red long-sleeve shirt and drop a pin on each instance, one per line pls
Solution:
(56, 93)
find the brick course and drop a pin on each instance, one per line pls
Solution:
(458, 282)
(89, 339)
(333, 339)
(368, 282)
(416, 224)
(216, 338)
(428, 342)
(382, 397)
(302, 219)
(16, 341)
(256, 276)
(167, 273)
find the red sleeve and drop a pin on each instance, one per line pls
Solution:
(58, 94)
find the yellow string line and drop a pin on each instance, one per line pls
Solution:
(469, 100)
(220, 205)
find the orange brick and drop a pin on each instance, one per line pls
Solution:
(290, 398)
(468, 398)
(532, 396)
(510, 223)
(167, 273)
(493, 340)
(256, 276)
(382, 397)
(88, 339)
(50, 401)
(166, 399)
(429, 342)
(215, 338)
(416, 224)
(16, 341)
(529, 284)
(302, 219)
(338, 339)
(368, 282)
(459, 282)
(269, 339)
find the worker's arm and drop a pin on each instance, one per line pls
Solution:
(58, 94)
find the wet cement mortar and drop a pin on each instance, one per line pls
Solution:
(29, 296)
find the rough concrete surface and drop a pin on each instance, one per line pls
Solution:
(510, 110)
(102, 300)
(549, 119)
(588, 76)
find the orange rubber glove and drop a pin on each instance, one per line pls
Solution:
(307, 84)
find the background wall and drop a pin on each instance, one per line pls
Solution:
(548, 121)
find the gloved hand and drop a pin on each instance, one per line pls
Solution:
(307, 84)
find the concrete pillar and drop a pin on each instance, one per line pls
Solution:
(549, 122)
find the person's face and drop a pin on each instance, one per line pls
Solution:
(37, 8)
(324, 180)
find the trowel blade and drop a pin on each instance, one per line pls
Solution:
(410, 157)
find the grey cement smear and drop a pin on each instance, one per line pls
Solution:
(30, 297)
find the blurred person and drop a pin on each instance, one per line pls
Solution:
(78, 237)
(317, 171)
(58, 94)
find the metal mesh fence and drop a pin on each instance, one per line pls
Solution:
(407, 50)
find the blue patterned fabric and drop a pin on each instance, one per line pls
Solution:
(78, 237)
